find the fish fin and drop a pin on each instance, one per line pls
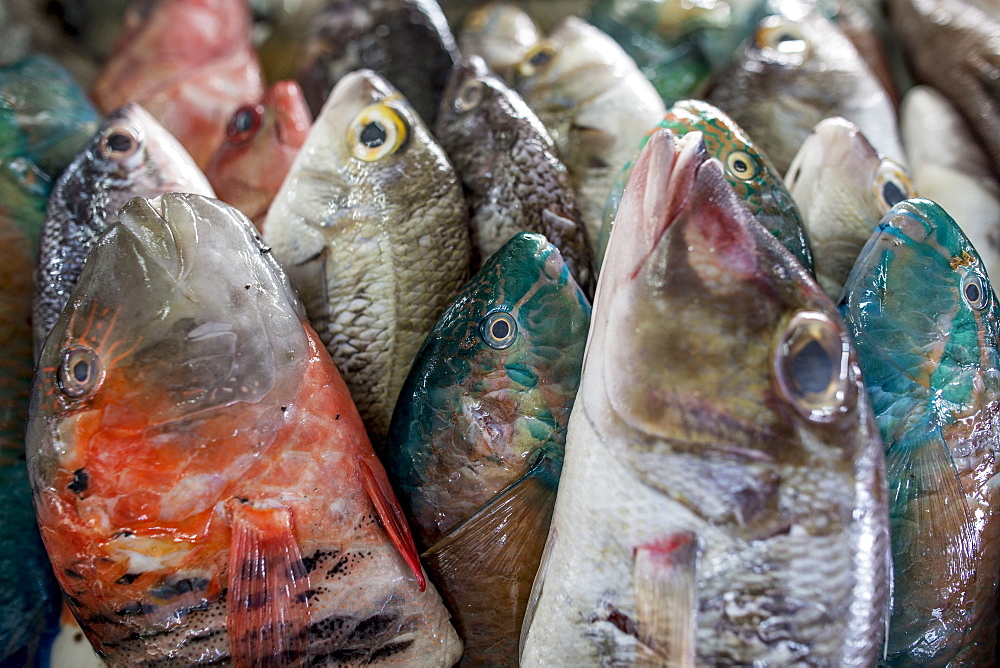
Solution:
(933, 542)
(391, 516)
(267, 616)
(486, 565)
(664, 576)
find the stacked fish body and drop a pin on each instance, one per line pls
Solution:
(691, 505)
(934, 383)
(501, 33)
(206, 490)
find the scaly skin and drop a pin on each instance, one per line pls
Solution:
(925, 321)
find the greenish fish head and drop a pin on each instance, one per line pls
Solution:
(495, 379)
(923, 314)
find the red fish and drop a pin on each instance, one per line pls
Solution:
(190, 63)
(204, 484)
(261, 142)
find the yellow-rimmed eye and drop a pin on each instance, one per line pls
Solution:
(498, 329)
(811, 366)
(536, 60)
(891, 185)
(742, 165)
(119, 141)
(376, 132)
(782, 39)
(975, 291)
(80, 372)
(469, 96)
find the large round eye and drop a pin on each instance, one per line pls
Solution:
(376, 132)
(469, 96)
(782, 39)
(120, 141)
(975, 291)
(498, 329)
(536, 60)
(244, 124)
(742, 165)
(811, 366)
(80, 372)
(891, 185)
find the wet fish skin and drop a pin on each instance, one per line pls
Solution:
(716, 498)
(501, 33)
(924, 318)
(376, 245)
(406, 41)
(512, 174)
(261, 142)
(189, 432)
(843, 187)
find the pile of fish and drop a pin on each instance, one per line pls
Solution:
(589, 332)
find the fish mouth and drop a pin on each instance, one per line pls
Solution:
(833, 144)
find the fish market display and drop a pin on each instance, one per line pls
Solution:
(205, 487)
(508, 163)
(843, 187)
(939, 416)
(799, 69)
(371, 226)
(477, 437)
(749, 172)
(951, 168)
(261, 142)
(954, 45)
(189, 63)
(408, 42)
(131, 154)
(500, 33)
(724, 513)
(596, 104)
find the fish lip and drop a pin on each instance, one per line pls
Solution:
(292, 118)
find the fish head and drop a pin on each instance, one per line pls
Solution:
(179, 344)
(500, 33)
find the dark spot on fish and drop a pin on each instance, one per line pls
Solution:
(174, 589)
(242, 499)
(305, 596)
(77, 637)
(127, 579)
(541, 57)
(73, 574)
(137, 608)
(337, 416)
(80, 481)
(123, 534)
(619, 619)
(256, 600)
(390, 649)
(373, 135)
(264, 250)
(373, 626)
(298, 569)
(338, 568)
(246, 287)
(284, 409)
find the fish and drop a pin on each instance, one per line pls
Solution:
(189, 63)
(513, 176)
(262, 140)
(203, 482)
(44, 119)
(798, 69)
(130, 154)
(371, 225)
(722, 499)
(501, 33)
(951, 167)
(923, 316)
(595, 103)
(408, 42)
(843, 187)
(476, 439)
(954, 46)
(746, 167)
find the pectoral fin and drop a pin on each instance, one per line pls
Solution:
(665, 579)
(391, 515)
(267, 616)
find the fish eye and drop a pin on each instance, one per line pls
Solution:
(536, 60)
(782, 39)
(811, 366)
(244, 124)
(120, 141)
(80, 372)
(742, 165)
(975, 291)
(469, 96)
(498, 329)
(376, 132)
(891, 185)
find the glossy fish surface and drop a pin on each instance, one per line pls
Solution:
(371, 225)
(924, 319)
(698, 515)
(130, 155)
(508, 163)
(843, 187)
(501, 33)
(204, 484)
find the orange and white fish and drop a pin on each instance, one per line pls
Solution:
(203, 481)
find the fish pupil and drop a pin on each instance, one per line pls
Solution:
(892, 194)
(81, 371)
(811, 368)
(244, 121)
(972, 293)
(500, 329)
(373, 135)
(540, 58)
(118, 142)
(740, 166)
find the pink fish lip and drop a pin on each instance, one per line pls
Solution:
(292, 119)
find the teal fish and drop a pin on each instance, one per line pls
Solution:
(476, 440)
(748, 170)
(924, 320)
